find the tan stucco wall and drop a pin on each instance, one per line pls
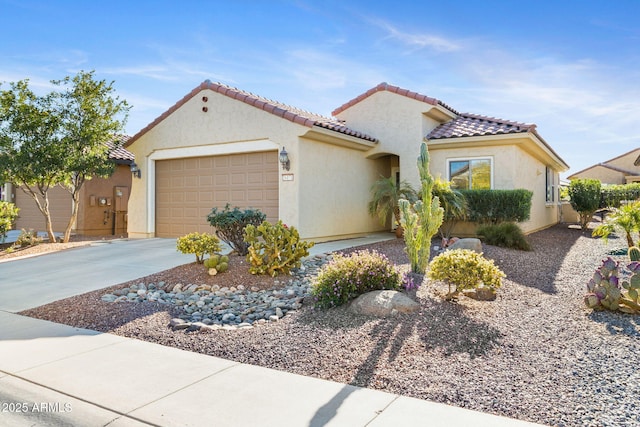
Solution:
(399, 122)
(513, 168)
(335, 190)
(602, 174)
(91, 218)
(231, 126)
(626, 161)
(30, 216)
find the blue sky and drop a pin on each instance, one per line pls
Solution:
(571, 67)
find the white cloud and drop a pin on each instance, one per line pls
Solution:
(417, 40)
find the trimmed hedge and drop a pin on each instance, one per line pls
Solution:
(497, 206)
(612, 195)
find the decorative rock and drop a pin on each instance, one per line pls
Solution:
(279, 312)
(471, 244)
(383, 304)
(481, 293)
(273, 318)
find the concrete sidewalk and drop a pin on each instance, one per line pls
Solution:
(55, 375)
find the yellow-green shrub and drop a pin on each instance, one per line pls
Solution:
(274, 248)
(465, 269)
(198, 244)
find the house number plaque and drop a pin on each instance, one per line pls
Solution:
(287, 177)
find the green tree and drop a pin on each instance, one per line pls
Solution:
(585, 199)
(31, 153)
(58, 138)
(421, 220)
(385, 194)
(90, 117)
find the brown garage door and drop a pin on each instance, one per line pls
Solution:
(187, 189)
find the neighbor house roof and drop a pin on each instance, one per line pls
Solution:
(117, 152)
(394, 89)
(279, 109)
(606, 164)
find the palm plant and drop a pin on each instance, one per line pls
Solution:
(385, 194)
(625, 218)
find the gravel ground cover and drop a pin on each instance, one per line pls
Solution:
(535, 353)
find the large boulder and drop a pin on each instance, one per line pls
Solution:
(383, 304)
(470, 243)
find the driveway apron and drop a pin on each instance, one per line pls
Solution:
(31, 282)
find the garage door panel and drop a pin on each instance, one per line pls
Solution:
(187, 189)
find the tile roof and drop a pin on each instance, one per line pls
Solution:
(475, 125)
(117, 151)
(394, 89)
(279, 109)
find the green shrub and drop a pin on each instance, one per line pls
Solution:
(348, 276)
(274, 249)
(611, 196)
(198, 244)
(506, 235)
(230, 225)
(465, 269)
(27, 238)
(585, 198)
(496, 206)
(8, 214)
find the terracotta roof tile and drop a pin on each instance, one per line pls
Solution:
(287, 112)
(117, 151)
(394, 89)
(466, 125)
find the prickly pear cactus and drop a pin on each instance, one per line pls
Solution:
(634, 253)
(274, 249)
(630, 301)
(603, 290)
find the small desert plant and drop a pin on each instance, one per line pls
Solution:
(274, 249)
(625, 218)
(348, 276)
(385, 194)
(199, 244)
(230, 224)
(465, 269)
(216, 264)
(8, 214)
(27, 238)
(506, 235)
(634, 253)
(605, 292)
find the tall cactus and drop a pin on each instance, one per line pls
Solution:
(422, 220)
(634, 253)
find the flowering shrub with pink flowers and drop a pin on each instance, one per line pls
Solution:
(348, 276)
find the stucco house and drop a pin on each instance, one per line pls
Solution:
(103, 201)
(623, 169)
(221, 145)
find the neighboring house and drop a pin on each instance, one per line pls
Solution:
(623, 169)
(221, 145)
(103, 202)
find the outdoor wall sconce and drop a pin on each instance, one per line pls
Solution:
(284, 160)
(135, 170)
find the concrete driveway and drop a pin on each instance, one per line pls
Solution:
(31, 282)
